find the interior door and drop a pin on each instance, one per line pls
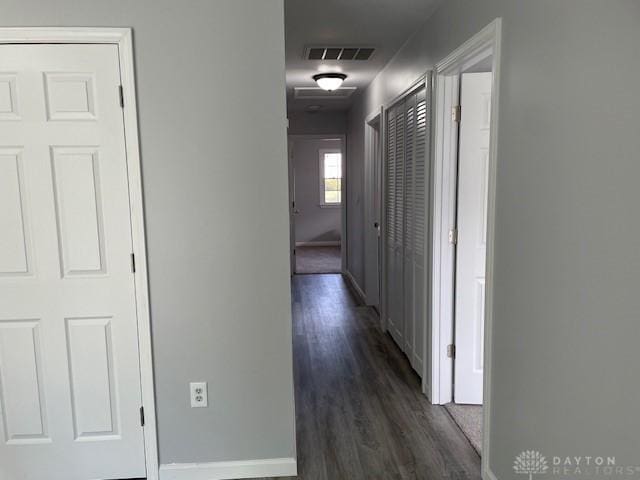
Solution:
(395, 223)
(472, 233)
(418, 231)
(408, 224)
(70, 391)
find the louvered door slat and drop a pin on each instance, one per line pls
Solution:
(390, 170)
(409, 171)
(420, 171)
(400, 149)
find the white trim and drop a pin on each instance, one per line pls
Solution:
(352, 281)
(122, 37)
(270, 467)
(322, 152)
(372, 239)
(332, 243)
(486, 42)
(487, 473)
(419, 83)
(443, 219)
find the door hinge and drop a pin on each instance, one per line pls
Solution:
(294, 251)
(133, 263)
(142, 416)
(456, 113)
(121, 93)
(453, 236)
(451, 351)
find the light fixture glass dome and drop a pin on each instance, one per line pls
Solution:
(329, 81)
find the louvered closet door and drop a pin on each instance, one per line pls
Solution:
(406, 171)
(389, 167)
(418, 228)
(391, 220)
(396, 271)
(409, 208)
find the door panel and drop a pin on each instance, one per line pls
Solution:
(390, 217)
(409, 204)
(472, 225)
(70, 391)
(396, 254)
(418, 230)
(15, 248)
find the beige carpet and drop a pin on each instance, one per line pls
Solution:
(469, 419)
(318, 260)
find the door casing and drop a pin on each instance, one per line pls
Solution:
(343, 210)
(373, 195)
(485, 44)
(122, 37)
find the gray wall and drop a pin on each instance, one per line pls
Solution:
(566, 298)
(314, 223)
(216, 213)
(319, 123)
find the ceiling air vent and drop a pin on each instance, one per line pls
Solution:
(338, 53)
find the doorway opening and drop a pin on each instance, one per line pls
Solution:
(464, 171)
(316, 173)
(470, 235)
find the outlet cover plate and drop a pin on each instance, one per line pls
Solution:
(199, 397)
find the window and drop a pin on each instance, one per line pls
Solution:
(330, 177)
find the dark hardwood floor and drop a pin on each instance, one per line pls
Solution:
(360, 413)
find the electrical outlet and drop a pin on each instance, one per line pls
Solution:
(198, 394)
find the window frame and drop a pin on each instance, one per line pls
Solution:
(321, 154)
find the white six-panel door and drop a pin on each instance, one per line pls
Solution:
(473, 173)
(69, 366)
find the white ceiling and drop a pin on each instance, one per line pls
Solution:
(383, 24)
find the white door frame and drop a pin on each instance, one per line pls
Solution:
(122, 37)
(482, 45)
(343, 208)
(373, 175)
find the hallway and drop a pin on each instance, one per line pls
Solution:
(360, 413)
(318, 259)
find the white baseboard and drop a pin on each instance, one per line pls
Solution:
(356, 287)
(335, 243)
(269, 467)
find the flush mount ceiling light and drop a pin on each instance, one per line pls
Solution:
(329, 81)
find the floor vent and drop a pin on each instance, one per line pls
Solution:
(338, 53)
